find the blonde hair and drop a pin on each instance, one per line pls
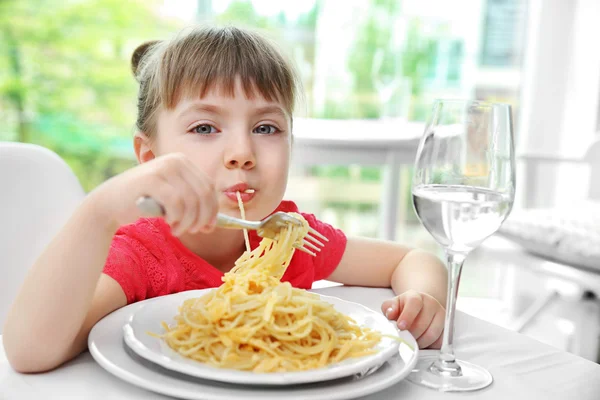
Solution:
(199, 59)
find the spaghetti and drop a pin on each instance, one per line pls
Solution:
(255, 322)
(243, 215)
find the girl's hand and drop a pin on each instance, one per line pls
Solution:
(421, 314)
(186, 193)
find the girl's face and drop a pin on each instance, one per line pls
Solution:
(241, 144)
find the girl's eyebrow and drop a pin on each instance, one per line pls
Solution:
(217, 110)
(271, 110)
(200, 107)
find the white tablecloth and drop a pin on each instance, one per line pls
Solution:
(521, 367)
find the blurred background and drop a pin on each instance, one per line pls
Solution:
(66, 84)
(65, 81)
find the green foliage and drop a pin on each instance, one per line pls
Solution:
(65, 77)
(413, 61)
(375, 33)
(418, 59)
(242, 13)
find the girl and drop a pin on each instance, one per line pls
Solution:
(214, 118)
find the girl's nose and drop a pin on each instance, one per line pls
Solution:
(240, 153)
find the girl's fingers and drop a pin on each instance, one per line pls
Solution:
(432, 336)
(411, 304)
(195, 205)
(438, 343)
(191, 208)
(389, 308)
(422, 322)
(166, 195)
(206, 195)
(207, 212)
(179, 202)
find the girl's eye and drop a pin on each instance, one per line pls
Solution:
(265, 130)
(204, 129)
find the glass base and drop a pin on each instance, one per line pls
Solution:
(468, 378)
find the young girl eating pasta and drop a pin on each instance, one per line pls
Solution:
(214, 122)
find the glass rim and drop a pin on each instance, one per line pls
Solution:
(471, 102)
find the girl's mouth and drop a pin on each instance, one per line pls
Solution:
(246, 195)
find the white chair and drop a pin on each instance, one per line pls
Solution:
(39, 193)
(567, 234)
(557, 253)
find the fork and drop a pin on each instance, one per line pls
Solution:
(267, 228)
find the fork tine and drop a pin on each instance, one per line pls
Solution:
(314, 240)
(305, 250)
(317, 234)
(306, 244)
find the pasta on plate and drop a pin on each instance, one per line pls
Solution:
(255, 322)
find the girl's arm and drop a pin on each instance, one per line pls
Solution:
(65, 294)
(378, 263)
(417, 277)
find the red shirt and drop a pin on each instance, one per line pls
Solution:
(148, 261)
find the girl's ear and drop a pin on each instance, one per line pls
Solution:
(143, 150)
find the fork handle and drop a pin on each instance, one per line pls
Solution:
(225, 221)
(150, 207)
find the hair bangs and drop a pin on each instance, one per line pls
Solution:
(214, 59)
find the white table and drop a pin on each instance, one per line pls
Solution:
(522, 368)
(387, 142)
(556, 287)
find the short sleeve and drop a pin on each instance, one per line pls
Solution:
(328, 259)
(139, 261)
(124, 266)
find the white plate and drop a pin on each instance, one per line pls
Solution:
(107, 347)
(149, 317)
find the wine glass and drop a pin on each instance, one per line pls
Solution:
(463, 190)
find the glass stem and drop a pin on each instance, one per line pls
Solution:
(446, 363)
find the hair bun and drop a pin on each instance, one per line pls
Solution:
(139, 53)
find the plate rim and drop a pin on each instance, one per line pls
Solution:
(107, 333)
(233, 376)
